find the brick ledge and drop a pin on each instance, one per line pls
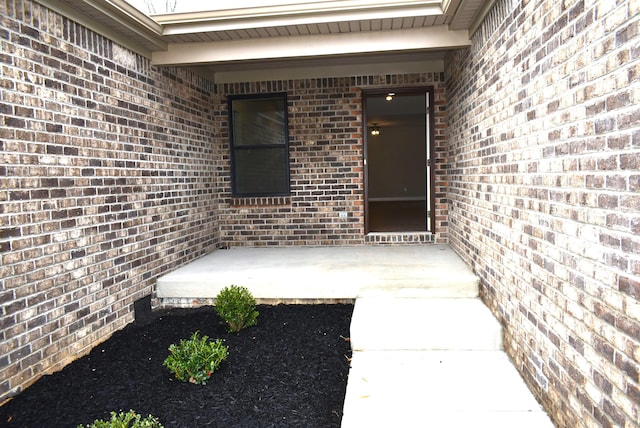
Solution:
(400, 237)
(262, 201)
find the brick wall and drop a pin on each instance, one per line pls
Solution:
(544, 135)
(326, 161)
(113, 171)
(107, 180)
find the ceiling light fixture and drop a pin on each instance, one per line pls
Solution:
(390, 96)
(375, 131)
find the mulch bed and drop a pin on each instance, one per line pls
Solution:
(289, 370)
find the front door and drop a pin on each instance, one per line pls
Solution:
(397, 161)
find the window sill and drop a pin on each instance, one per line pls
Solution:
(261, 201)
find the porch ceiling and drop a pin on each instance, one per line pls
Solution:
(281, 36)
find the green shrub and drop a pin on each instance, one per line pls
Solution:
(237, 307)
(195, 359)
(125, 420)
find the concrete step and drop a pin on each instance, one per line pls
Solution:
(438, 389)
(463, 285)
(390, 323)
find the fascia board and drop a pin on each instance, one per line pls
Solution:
(131, 18)
(482, 14)
(136, 22)
(290, 9)
(427, 38)
(124, 10)
(449, 7)
(299, 14)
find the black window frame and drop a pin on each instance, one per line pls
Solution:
(236, 148)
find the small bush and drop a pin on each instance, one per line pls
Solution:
(125, 420)
(237, 307)
(195, 359)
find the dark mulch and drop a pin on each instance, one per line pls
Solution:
(289, 370)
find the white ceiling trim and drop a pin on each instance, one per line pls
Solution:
(480, 16)
(144, 34)
(338, 7)
(123, 12)
(318, 69)
(287, 38)
(465, 13)
(251, 22)
(449, 7)
(412, 39)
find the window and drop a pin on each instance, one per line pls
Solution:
(259, 145)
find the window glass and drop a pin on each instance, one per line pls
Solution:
(261, 172)
(259, 145)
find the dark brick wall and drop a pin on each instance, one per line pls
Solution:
(544, 141)
(114, 172)
(106, 181)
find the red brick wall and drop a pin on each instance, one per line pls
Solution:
(106, 181)
(544, 137)
(326, 153)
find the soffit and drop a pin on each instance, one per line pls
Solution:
(330, 29)
(306, 29)
(117, 20)
(321, 18)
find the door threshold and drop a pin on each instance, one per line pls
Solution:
(399, 237)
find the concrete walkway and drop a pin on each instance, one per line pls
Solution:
(426, 351)
(433, 362)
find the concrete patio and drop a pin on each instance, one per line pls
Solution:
(426, 351)
(324, 273)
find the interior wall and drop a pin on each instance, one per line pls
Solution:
(544, 142)
(396, 160)
(107, 180)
